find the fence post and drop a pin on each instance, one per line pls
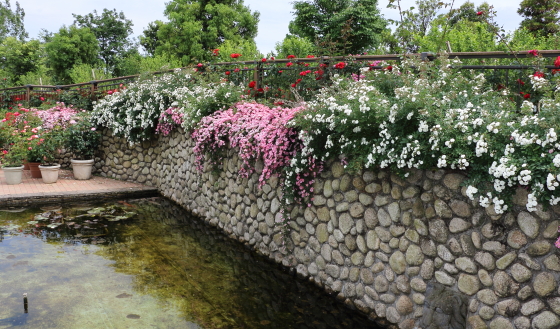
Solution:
(28, 89)
(92, 89)
(256, 75)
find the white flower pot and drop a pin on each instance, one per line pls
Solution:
(49, 173)
(13, 175)
(82, 168)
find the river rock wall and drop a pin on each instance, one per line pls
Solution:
(410, 253)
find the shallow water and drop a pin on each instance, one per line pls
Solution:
(146, 264)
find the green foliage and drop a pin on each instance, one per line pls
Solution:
(69, 47)
(468, 12)
(40, 76)
(11, 21)
(247, 49)
(81, 138)
(463, 36)
(46, 149)
(112, 31)
(294, 45)
(18, 58)
(138, 64)
(413, 24)
(149, 40)
(85, 73)
(541, 16)
(78, 98)
(350, 26)
(197, 27)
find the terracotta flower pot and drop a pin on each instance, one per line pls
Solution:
(34, 169)
(49, 173)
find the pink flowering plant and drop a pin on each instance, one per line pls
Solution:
(260, 133)
(59, 115)
(168, 120)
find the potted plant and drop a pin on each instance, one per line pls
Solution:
(12, 162)
(82, 141)
(46, 148)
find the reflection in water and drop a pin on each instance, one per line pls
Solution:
(189, 274)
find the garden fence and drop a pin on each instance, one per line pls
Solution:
(519, 66)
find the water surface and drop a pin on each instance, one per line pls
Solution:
(146, 264)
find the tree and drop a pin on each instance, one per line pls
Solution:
(112, 30)
(11, 21)
(414, 24)
(149, 41)
(541, 16)
(196, 27)
(468, 12)
(18, 58)
(352, 26)
(292, 45)
(69, 47)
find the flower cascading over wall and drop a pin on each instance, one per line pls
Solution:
(260, 133)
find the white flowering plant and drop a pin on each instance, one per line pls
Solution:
(133, 112)
(429, 115)
(158, 104)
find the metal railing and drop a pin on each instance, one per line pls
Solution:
(260, 72)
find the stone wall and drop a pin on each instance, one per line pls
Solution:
(414, 252)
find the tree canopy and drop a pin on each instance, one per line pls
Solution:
(196, 27)
(11, 21)
(352, 26)
(541, 16)
(112, 31)
(69, 47)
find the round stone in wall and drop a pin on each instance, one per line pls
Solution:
(544, 284)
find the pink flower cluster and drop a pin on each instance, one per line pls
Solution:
(168, 120)
(60, 115)
(260, 132)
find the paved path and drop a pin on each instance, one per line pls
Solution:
(67, 189)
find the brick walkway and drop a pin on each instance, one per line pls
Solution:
(66, 189)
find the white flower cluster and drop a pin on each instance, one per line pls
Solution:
(524, 177)
(538, 83)
(471, 192)
(552, 181)
(532, 202)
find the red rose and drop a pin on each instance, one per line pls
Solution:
(228, 72)
(388, 68)
(291, 56)
(557, 61)
(526, 96)
(235, 55)
(289, 64)
(310, 56)
(340, 65)
(538, 74)
(480, 13)
(533, 52)
(252, 84)
(263, 60)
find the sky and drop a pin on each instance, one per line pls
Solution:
(274, 14)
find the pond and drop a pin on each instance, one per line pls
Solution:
(146, 263)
